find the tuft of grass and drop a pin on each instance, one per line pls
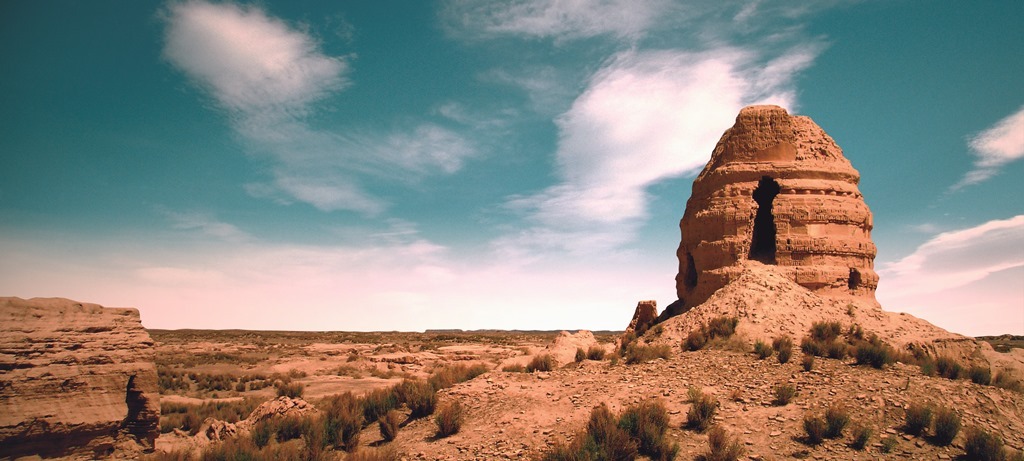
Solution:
(581, 355)
(695, 341)
(874, 353)
(861, 436)
(784, 393)
(948, 367)
(449, 376)
(636, 353)
(980, 375)
(702, 412)
(808, 362)
(719, 327)
(927, 366)
(762, 350)
(814, 427)
(292, 389)
(541, 362)
(449, 419)
(783, 346)
(888, 444)
(836, 419)
(261, 433)
(947, 426)
(983, 446)
(595, 352)
(646, 423)
(377, 454)
(378, 402)
(341, 420)
(826, 331)
(918, 418)
(721, 446)
(388, 425)
(419, 396)
(288, 428)
(514, 368)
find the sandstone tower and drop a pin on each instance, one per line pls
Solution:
(777, 190)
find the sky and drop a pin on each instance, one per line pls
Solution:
(511, 164)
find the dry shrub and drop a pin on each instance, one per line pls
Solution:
(718, 328)
(514, 368)
(375, 454)
(236, 448)
(815, 427)
(292, 389)
(889, 443)
(636, 353)
(947, 426)
(449, 376)
(419, 396)
(983, 446)
(874, 352)
(342, 420)
(1007, 380)
(595, 352)
(388, 425)
(581, 355)
(288, 428)
(808, 362)
(927, 365)
(702, 412)
(647, 423)
(262, 432)
(449, 419)
(948, 367)
(607, 437)
(762, 350)
(378, 402)
(826, 331)
(861, 436)
(836, 419)
(541, 362)
(783, 346)
(784, 393)
(918, 418)
(721, 446)
(980, 375)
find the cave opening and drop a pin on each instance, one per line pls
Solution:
(854, 281)
(762, 244)
(690, 277)
(136, 405)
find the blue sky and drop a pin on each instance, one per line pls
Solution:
(384, 165)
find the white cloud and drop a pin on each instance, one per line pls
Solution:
(560, 19)
(995, 147)
(207, 224)
(645, 117)
(935, 276)
(269, 77)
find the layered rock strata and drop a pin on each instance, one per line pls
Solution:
(75, 379)
(777, 190)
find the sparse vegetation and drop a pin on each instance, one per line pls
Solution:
(341, 420)
(388, 425)
(808, 362)
(636, 353)
(702, 412)
(449, 419)
(1006, 380)
(718, 328)
(918, 418)
(292, 389)
(784, 393)
(874, 352)
(419, 396)
(948, 367)
(947, 426)
(581, 355)
(824, 341)
(378, 403)
(980, 375)
(836, 419)
(783, 346)
(814, 427)
(640, 429)
(449, 376)
(514, 368)
(595, 352)
(981, 445)
(189, 417)
(646, 424)
(889, 443)
(762, 350)
(722, 446)
(861, 436)
(541, 362)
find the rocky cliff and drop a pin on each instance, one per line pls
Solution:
(76, 379)
(777, 190)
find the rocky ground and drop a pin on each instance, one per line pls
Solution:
(514, 415)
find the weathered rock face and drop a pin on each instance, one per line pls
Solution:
(75, 379)
(777, 190)
(645, 315)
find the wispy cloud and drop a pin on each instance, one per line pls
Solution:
(645, 117)
(994, 148)
(962, 271)
(269, 77)
(207, 224)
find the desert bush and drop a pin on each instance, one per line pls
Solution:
(236, 448)
(541, 362)
(947, 426)
(419, 396)
(595, 352)
(980, 375)
(342, 420)
(927, 365)
(388, 425)
(861, 436)
(836, 419)
(378, 402)
(190, 417)
(696, 340)
(808, 362)
(719, 327)
(628, 338)
(647, 423)
(888, 444)
(784, 393)
(826, 331)
(448, 419)
(1006, 380)
(874, 353)
(375, 454)
(693, 394)
(948, 367)
(449, 376)
(314, 438)
(261, 433)
(636, 353)
(815, 428)
(288, 428)
(609, 440)
(783, 346)
(293, 390)
(981, 445)
(514, 368)
(721, 446)
(918, 418)
(762, 350)
(581, 355)
(702, 412)
(837, 350)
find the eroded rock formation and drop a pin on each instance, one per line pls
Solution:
(645, 315)
(75, 378)
(777, 190)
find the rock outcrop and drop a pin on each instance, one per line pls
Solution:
(75, 379)
(645, 315)
(776, 190)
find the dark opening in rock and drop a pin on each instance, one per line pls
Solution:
(762, 244)
(854, 280)
(136, 406)
(690, 277)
